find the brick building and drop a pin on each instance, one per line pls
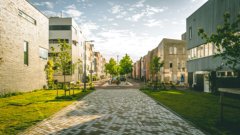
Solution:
(23, 46)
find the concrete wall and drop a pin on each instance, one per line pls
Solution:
(14, 30)
(208, 17)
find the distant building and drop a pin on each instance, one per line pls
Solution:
(23, 46)
(89, 58)
(173, 53)
(99, 63)
(201, 62)
(68, 30)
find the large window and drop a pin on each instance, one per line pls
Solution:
(25, 46)
(201, 51)
(43, 53)
(55, 41)
(60, 27)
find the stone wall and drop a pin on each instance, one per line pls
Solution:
(14, 30)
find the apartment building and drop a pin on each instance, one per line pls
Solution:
(90, 66)
(201, 62)
(68, 30)
(99, 63)
(23, 46)
(173, 53)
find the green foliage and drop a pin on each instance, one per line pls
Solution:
(111, 67)
(63, 59)
(227, 41)
(49, 73)
(155, 66)
(91, 86)
(125, 65)
(4, 95)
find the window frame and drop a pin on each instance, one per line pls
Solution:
(26, 53)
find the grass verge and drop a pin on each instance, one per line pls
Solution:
(22, 111)
(202, 109)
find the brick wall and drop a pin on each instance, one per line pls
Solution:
(14, 30)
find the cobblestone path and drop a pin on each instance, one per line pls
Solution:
(122, 111)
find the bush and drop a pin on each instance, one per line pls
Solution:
(91, 86)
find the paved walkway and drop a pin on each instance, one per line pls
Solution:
(118, 112)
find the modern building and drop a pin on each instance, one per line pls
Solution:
(68, 30)
(23, 46)
(201, 64)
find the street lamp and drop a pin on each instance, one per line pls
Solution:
(85, 74)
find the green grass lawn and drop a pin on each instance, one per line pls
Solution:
(202, 109)
(22, 111)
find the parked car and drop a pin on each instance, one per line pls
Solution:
(123, 78)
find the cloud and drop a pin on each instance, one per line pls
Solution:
(116, 9)
(88, 28)
(148, 11)
(140, 4)
(72, 11)
(136, 17)
(48, 4)
(153, 10)
(50, 13)
(153, 23)
(119, 42)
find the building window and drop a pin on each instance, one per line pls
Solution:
(27, 17)
(170, 64)
(25, 46)
(60, 27)
(201, 51)
(55, 41)
(190, 32)
(43, 53)
(206, 50)
(175, 50)
(170, 50)
(210, 47)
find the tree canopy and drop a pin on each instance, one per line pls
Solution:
(125, 65)
(155, 65)
(227, 41)
(111, 67)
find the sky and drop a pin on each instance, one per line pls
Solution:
(121, 27)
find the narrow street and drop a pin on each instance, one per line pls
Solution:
(114, 111)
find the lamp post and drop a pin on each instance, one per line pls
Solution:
(85, 74)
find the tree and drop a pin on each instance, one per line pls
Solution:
(125, 65)
(227, 42)
(49, 69)
(63, 60)
(155, 66)
(111, 67)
